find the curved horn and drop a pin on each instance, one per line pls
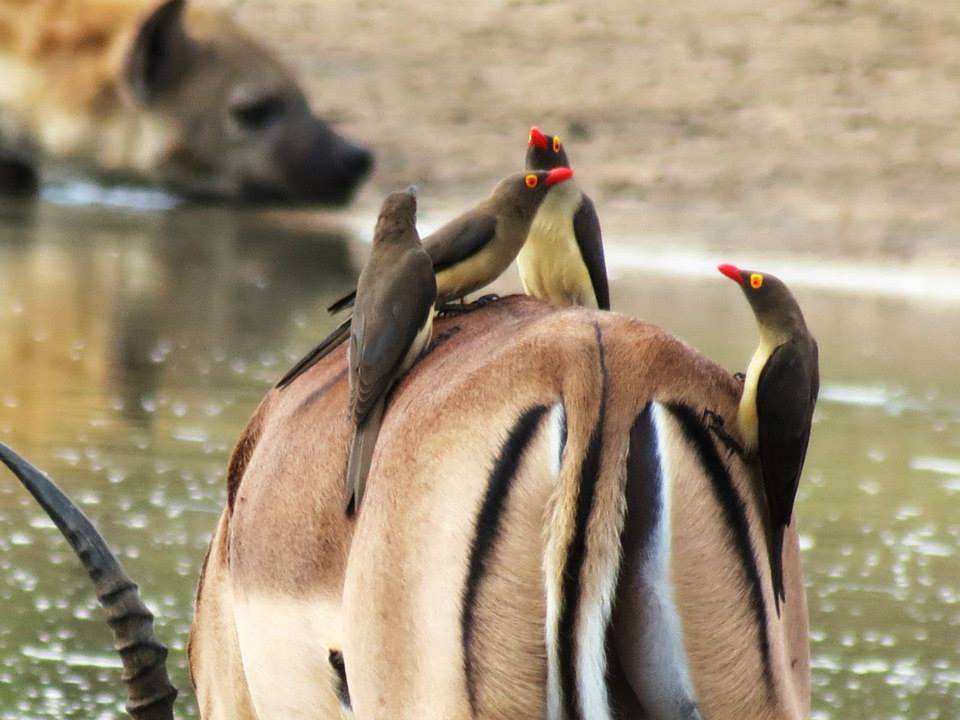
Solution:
(150, 694)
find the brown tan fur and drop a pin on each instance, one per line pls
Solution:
(724, 676)
(510, 603)
(387, 586)
(69, 95)
(215, 663)
(419, 521)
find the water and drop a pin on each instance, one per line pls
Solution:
(134, 346)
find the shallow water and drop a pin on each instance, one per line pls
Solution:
(134, 345)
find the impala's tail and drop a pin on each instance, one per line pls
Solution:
(150, 693)
(582, 554)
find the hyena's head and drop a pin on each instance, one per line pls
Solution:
(242, 128)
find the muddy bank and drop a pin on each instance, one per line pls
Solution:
(822, 126)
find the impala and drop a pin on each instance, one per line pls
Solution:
(550, 530)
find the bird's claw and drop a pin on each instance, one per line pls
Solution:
(484, 300)
(741, 377)
(461, 308)
(715, 424)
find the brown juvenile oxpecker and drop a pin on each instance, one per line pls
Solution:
(392, 323)
(471, 250)
(562, 261)
(776, 408)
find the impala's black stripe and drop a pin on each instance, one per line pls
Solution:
(577, 552)
(487, 526)
(735, 513)
(644, 488)
(335, 658)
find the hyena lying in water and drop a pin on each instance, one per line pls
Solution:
(150, 90)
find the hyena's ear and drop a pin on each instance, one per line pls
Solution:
(160, 52)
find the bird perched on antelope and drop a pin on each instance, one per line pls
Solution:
(562, 261)
(470, 251)
(392, 323)
(779, 395)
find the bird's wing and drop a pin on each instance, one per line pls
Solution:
(786, 395)
(386, 323)
(460, 238)
(342, 303)
(324, 348)
(586, 228)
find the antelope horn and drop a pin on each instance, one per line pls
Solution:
(150, 694)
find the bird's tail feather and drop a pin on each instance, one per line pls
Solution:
(361, 454)
(326, 346)
(775, 543)
(343, 303)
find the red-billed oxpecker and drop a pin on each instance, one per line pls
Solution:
(470, 251)
(392, 323)
(779, 394)
(562, 261)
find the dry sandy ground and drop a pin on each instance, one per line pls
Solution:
(821, 126)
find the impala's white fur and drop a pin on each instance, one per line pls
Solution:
(284, 640)
(596, 597)
(668, 666)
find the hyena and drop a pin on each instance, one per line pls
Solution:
(155, 91)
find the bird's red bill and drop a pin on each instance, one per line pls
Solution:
(731, 271)
(537, 138)
(558, 175)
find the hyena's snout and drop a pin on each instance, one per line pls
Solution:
(322, 166)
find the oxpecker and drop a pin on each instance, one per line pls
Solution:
(470, 251)
(562, 261)
(392, 323)
(776, 408)
(474, 249)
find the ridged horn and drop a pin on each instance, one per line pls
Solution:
(150, 694)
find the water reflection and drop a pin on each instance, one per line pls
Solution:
(133, 347)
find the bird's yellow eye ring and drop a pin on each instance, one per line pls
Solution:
(556, 144)
(531, 180)
(756, 281)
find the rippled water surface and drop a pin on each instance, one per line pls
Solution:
(133, 347)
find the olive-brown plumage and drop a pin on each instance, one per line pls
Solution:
(562, 261)
(392, 322)
(779, 395)
(470, 251)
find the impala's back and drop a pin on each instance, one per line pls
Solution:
(550, 530)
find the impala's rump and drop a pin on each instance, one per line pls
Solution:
(550, 530)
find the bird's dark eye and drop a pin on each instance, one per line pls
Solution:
(259, 113)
